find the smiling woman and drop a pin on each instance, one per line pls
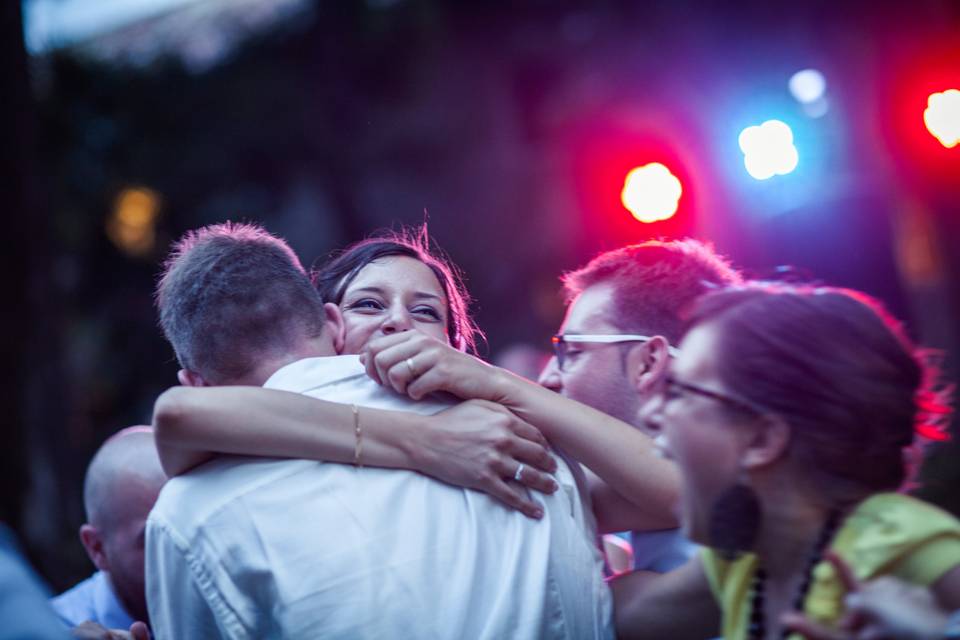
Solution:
(380, 286)
(395, 282)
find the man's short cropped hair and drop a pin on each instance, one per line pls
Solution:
(655, 283)
(231, 294)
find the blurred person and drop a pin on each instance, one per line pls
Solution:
(120, 487)
(522, 359)
(624, 310)
(788, 412)
(24, 609)
(882, 609)
(367, 553)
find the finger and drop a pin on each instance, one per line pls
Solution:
(140, 631)
(533, 455)
(370, 366)
(799, 623)
(425, 384)
(392, 365)
(847, 577)
(406, 371)
(529, 432)
(514, 497)
(538, 480)
(372, 357)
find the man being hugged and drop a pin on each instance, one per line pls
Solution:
(267, 548)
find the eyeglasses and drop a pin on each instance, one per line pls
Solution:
(672, 385)
(561, 340)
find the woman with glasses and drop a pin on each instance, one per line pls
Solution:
(791, 415)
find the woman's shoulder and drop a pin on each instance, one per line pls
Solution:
(908, 515)
(895, 533)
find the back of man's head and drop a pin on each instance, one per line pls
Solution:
(654, 283)
(231, 295)
(127, 457)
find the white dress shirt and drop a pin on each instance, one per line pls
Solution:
(266, 548)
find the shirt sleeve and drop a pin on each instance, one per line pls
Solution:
(181, 596)
(932, 560)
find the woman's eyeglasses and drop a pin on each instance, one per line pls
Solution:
(674, 389)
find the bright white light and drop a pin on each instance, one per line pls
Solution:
(942, 117)
(651, 193)
(50, 24)
(768, 150)
(808, 85)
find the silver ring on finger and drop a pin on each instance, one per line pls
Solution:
(519, 473)
(410, 368)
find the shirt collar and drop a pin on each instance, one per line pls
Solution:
(309, 373)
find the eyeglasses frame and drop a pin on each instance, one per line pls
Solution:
(605, 338)
(716, 396)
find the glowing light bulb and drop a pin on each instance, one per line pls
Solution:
(942, 117)
(651, 193)
(768, 150)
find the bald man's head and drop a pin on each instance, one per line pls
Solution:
(121, 487)
(128, 456)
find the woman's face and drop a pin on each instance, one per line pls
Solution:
(697, 431)
(392, 294)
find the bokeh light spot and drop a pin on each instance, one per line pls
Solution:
(942, 117)
(807, 86)
(768, 150)
(651, 192)
(132, 224)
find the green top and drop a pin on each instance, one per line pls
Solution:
(887, 534)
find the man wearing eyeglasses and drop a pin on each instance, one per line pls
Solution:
(625, 309)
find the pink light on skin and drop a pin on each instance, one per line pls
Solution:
(651, 193)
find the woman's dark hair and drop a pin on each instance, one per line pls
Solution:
(333, 278)
(839, 369)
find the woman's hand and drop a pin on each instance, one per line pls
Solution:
(415, 364)
(481, 445)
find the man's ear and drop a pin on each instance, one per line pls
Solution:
(767, 442)
(648, 364)
(191, 378)
(335, 326)
(92, 541)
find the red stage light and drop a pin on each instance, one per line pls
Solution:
(942, 117)
(651, 192)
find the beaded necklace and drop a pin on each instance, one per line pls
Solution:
(758, 623)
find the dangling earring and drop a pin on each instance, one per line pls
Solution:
(735, 519)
